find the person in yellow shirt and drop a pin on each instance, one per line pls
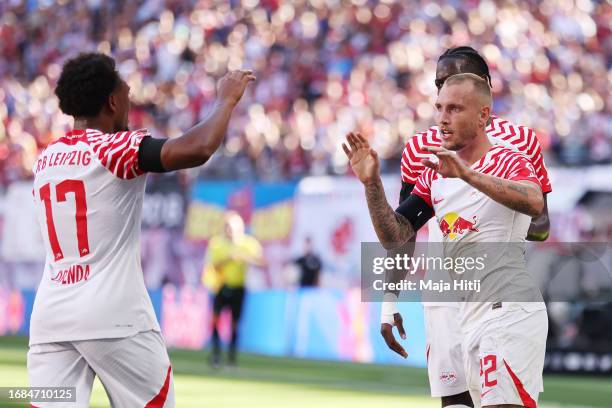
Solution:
(228, 258)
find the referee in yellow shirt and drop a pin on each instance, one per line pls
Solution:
(228, 258)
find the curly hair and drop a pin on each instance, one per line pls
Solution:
(475, 64)
(85, 84)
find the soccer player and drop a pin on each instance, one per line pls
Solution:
(495, 191)
(92, 314)
(229, 256)
(444, 357)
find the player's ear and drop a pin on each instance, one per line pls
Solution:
(485, 112)
(112, 102)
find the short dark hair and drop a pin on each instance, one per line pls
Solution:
(475, 63)
(85, 84)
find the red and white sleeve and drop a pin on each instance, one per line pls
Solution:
(537, 160)
(520, 168)
(422, 188)
(411, 166)
(118, 152)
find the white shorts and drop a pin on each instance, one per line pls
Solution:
(504, 358)
(135, 371)
(444, 355)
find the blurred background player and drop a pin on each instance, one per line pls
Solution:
(505, 326)
(92, 315)
(310, 266)
(443, 335)
(228, 258)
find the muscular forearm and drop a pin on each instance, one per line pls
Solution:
(397, 275)
(198, 144)
(540, 226)
(392, 229)
(521, 197)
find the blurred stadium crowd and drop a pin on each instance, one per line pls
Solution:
(324, 67)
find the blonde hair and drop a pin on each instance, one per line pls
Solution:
(480, 85)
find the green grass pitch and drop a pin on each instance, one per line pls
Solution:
(261, 381)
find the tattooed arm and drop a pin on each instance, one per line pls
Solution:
(522, 196)
(393, 229)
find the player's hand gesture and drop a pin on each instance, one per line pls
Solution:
(449, 164)
(386, 330)
(363, 159)
(231, 87)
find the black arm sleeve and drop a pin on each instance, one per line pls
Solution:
(415, 210)
(405, 191)
(149, 155)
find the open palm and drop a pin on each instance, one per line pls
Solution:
(363, 159)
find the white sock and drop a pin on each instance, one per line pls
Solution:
(457, 406)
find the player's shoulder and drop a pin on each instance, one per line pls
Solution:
(502, 154)
(504, 150)
(118, 152)
(74, 137)
(429, 175)
(521, 137)
(97, 138)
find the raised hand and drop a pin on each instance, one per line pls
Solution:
(231, 87)
(363, 159)
(449, 164)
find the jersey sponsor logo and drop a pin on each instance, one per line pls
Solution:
(453, 225)
(72, 275)
(448, 377)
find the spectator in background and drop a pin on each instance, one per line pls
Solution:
(310, 266)
(227, 260)
(323, 68)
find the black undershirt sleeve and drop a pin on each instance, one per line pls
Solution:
(415, 210)
(149, 155)
(405, 191)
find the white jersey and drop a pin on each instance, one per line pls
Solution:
(499, 132)
(88, 192)
(467, 216)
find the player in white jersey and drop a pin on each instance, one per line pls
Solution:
(479, 193)
(443, 336)
(92, 314)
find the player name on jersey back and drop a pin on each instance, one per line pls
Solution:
(88, 196)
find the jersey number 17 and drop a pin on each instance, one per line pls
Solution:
(77, 187)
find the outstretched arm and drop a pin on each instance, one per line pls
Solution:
(198, 144)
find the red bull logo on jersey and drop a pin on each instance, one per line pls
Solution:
(452, 225)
